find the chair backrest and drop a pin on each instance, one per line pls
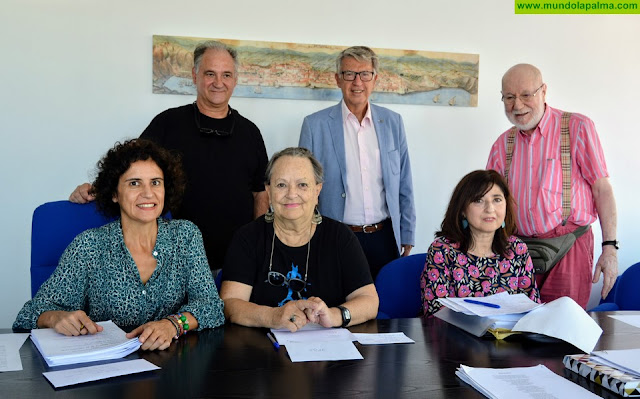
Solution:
(608, 304)
(398, 286)
(627, 292)
(54, 226)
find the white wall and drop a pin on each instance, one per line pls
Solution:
(75, 76)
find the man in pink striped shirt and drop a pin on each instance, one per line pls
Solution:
(535, 178)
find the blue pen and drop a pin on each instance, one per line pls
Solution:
(275, 343)
(489, 305)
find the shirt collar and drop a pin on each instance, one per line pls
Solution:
(346, 113)
(543, 125)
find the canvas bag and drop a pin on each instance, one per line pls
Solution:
(547, 252)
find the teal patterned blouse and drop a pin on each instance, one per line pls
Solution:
(97, 274)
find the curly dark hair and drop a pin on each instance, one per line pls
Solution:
(471, 188)
(119, 159)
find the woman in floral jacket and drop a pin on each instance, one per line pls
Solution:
(475, 252)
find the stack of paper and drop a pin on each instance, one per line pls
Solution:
(563, 318)
(58, 349)
(493, 305)
(625, 360)
(499, 312)
(521, 382)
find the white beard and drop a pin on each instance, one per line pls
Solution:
(529, 126)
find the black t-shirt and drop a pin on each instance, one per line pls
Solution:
(222, 172)
(337, 265)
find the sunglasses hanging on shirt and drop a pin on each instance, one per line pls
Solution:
(214, 132)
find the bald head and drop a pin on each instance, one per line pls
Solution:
(522, 73)
(524, 95)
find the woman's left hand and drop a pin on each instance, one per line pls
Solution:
(154, 334)
(322, 314)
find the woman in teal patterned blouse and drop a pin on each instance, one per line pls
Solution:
(475, 252)
(141, 270)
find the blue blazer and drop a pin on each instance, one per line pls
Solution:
(323, 134)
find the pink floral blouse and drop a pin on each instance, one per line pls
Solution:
(448, 272)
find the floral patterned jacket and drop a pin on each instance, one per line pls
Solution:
(448, 272)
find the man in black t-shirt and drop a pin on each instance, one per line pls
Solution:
(223, 153)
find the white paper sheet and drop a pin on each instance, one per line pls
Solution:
(79, 375)
(10, 351)
(58, 349)
(509, 304)
(626, 360)
(312, 333)
(564, 319)
(322, 351)
(383, 338)
(630, 319)
(521, 382)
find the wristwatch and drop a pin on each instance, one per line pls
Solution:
(615, 243)
(346, 316)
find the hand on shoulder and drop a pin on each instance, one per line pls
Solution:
(81, 195)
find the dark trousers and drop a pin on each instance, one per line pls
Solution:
(379, 247)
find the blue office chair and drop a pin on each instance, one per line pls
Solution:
(626, 295)
(54, 226)
(609, 303)
(398, 286)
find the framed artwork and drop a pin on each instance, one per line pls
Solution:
(307, 71)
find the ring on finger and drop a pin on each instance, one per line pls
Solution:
(292, 318)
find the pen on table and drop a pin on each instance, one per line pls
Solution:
(489, 305)
(275, 343)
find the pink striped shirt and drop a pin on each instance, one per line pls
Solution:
(535, 177)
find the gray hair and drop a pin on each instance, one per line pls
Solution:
(298, 152)
(361, 54)
(201, 48)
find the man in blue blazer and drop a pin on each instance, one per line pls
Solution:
(363, 149)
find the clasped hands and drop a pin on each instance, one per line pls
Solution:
(152, 335)
(296, 314)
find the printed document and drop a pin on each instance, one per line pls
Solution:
(58, 349)
(521, 382)
(10, 351)
(312, 333)
(63, 378)
(322, 351)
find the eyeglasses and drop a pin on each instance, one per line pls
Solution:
(350, 76)
(510, 99)
(215, 132)
(278, 279)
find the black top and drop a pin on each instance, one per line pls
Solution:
(222, 172)
(337, 265)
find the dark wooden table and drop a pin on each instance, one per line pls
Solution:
(240, 362)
